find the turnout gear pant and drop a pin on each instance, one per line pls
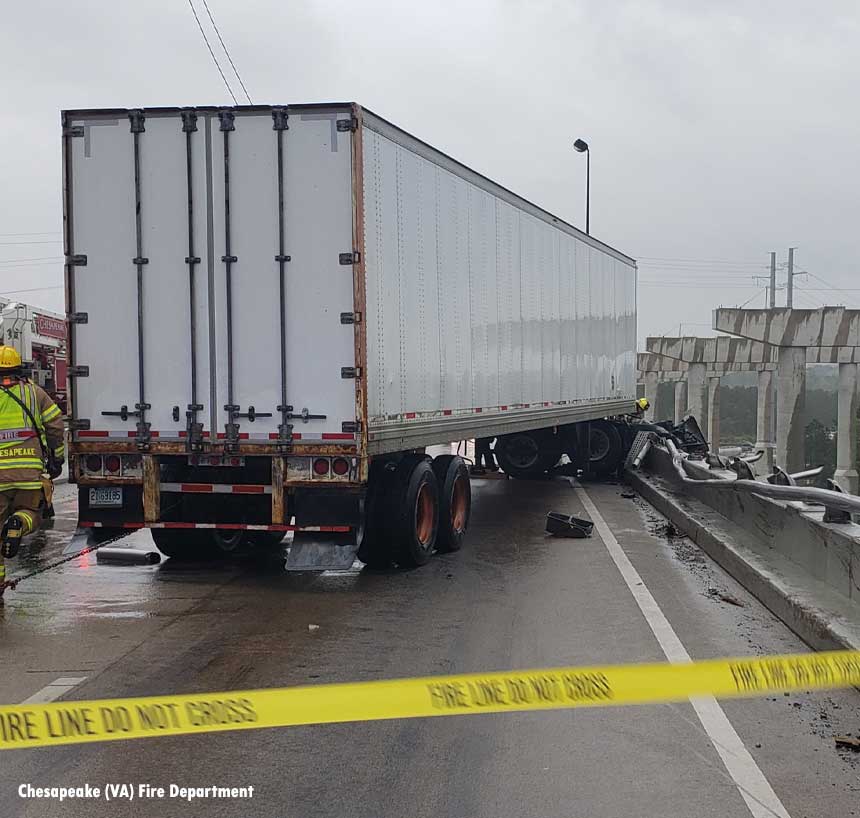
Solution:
(23, 504)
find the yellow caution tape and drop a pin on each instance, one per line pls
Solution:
(42, 725)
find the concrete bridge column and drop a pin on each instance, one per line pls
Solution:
(712, 432)
(680, 400)
(652, 385)
(764, 418)
(847, 429)
(790, 405)
(697, 394)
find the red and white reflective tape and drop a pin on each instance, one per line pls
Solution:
(336, 529)
(477, 410)
(176, 435)
(215, 488)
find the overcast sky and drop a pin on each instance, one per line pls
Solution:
(719, 131)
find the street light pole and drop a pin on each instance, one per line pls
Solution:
(581, 146)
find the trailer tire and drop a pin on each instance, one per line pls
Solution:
(184, 545)
(412, 511)
(527, 455)
(605, 449)
(455, 502)
(375, 548)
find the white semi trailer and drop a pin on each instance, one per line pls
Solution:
(274, 310)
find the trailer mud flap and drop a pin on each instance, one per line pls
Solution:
(87, 538)
(322, 551)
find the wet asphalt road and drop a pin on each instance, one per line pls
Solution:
(511, 599)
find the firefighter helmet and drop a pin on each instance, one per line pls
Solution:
(9, 358)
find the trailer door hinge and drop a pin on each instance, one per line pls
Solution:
(78, 318)
(350, 124)
(78, 371)
(350, 258)
(280, 118)
(79, 424)
(136, 120)
(189, 121)
(73, 130)
(78, 260)
(350, 318)
(351, 426)
(350, 372)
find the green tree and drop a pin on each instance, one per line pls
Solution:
(820, 448)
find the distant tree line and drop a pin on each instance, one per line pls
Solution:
(738, 421)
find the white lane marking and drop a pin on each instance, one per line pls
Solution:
(754, 788)
(54, 690)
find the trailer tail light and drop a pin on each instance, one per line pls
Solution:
(340, 466)
(112, 463)
(93, 464)
(321, 466)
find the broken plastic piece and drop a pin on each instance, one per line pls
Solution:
(127, 556)
(565, 525)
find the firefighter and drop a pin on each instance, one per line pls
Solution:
(484, 459)
(31, 443)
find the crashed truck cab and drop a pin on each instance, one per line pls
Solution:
(274, 311)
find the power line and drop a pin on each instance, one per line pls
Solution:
(39, 233)
(212, 53)
(754, 295)
(826, 283)
(33, 290)
(722, 262)
(224, 46)
(17, 243)
(37, 258)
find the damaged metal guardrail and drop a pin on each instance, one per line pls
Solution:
(838, 506)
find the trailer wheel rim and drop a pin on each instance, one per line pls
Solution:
(424, 513)
(598, 445)
(523, 451)
(459, 504)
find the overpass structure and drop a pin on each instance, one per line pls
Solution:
(800, 337)
(705, 360)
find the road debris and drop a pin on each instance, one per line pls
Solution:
(726, 597)
(127, 556)
(849, 742)
(566, 525)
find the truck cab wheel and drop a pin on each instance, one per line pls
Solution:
(528, 454)
(455, 501)
(605, 450)
(231, 542)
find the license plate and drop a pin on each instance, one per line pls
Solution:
(107, 497)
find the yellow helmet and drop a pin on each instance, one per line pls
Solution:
(9, 358)
(644, 404)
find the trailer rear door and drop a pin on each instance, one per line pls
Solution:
(207, 273)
